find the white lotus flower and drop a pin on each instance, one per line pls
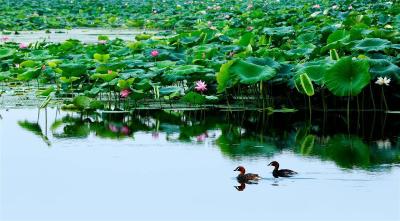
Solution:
(383, 81)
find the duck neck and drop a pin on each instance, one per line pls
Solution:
(276, 167)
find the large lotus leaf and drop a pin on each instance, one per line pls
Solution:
(29, 75)
(87, 103)
(338, 35)
(6, 52)
(224, 78)
(384, 68)
(194, 98)
(105, 77)
(73, 69)
(28, 64)
(246, 39)
(372, 44)
(315, 70)
(347, 77)
(169, 90)
(279, 31)
(249, 73)
(264, 61)
(189, 69)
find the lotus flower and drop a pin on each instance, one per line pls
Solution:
(43, 67)
(125, 130)
(113, 128)
(23, 46)
(201, 86)
(17, 65)
(350, 7)
(317, 6)
(109, 72)
(202, 137)
(154, 53)
(125, 93)
(383, 81)
(249, 28)
(5, 38)
(102, 42)
(334, 7)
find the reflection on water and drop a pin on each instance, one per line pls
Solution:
(239, 134)
(178, 165)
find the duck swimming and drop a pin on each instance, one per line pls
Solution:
(244, 177)
(281, 173)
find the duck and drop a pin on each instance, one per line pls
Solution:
(244, 177)
(281, 173)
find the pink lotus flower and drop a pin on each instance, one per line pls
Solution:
(102, 42)
(109, 72)
(201, 86)
(317, 6)
(5, 38)
(154, 53)
(350, 7)
(125, 130)
(113, 128)
(125, 93)
(23, 46)
(202, 137)
(250, 28)
(17, 65)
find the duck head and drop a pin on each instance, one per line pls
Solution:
(274, 164)
(241, 169)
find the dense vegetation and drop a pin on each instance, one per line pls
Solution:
(253, 54)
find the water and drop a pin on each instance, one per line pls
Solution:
(86, 35)
(179, 166)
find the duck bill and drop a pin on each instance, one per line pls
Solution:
(270, 164)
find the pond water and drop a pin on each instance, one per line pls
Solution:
(176, 165)
(88, 35)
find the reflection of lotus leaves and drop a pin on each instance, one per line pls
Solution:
(348, 151)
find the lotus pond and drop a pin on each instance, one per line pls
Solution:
(140, 110)
(178, 165)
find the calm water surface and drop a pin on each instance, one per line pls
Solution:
(179, 166)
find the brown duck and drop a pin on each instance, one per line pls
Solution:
(244, 177)
(281, 173)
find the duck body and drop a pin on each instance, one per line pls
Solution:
(244, 177)
(281, 173)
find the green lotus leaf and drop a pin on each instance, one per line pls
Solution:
(194, 98)
(347, 77)
(338, 35)
(105, 77)
(29, 75)
(87, 103)
(71, 69)
(28, 64)
(372, 44)
(279, 31)
(101, 57)
(249, 73)
(189, 69)
(169, 90)
(304, 84)
(6, 52)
